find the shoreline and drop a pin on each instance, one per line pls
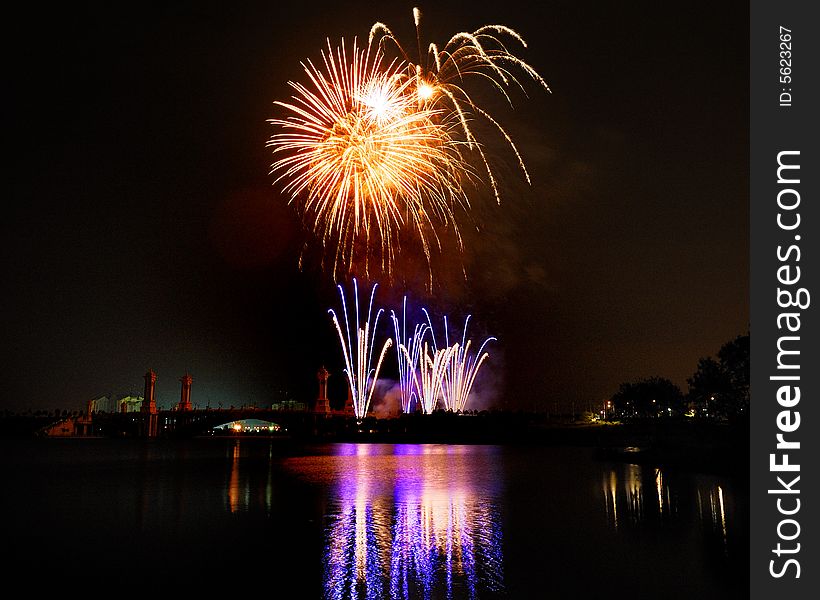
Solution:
(702, 445)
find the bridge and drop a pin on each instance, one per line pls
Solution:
(183, 420)
(189, 423)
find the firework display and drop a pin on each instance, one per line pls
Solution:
(429, 374)
(358, 356)
(408, 354)
(365, 161)
(428, 379)
(378, 153)
(375, 151)
(439, 77)
(462, 367)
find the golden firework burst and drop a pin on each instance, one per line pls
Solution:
(439, 75)
(364, 161)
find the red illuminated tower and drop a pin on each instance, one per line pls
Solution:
(149, 406)
(185, 398)
(149, 403)
(349, 402)
(322, 401)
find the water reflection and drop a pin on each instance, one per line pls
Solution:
(638, 495)
(375, 521)
(712, 509)
(415, 521)
(245, 488)
(237, 496)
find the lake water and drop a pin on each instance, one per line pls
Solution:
(260, 516)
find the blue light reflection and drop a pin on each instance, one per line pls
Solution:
(414, 521)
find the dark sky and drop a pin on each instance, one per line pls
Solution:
(141, 229)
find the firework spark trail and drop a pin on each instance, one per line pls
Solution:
(439, 76)
(462, 367)
(365, 160)
(428, 380)
(408, 350)
(361, 376)
(460, 375)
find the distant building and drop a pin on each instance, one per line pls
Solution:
(128, 404)
(116, 404)
(289, 405)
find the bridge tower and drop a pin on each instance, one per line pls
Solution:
(349, 401)
(322, 401)
(185, 398)
(149, 406)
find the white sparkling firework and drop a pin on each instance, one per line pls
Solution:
(408, 351)
(358, 356)
(461, 369)
(430, 375)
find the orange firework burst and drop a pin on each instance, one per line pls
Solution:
(364, 159)
(438, 77)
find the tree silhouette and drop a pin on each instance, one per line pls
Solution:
(734, 358)
(721, 387)
(650, 397)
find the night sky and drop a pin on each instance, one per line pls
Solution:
(141, 228)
